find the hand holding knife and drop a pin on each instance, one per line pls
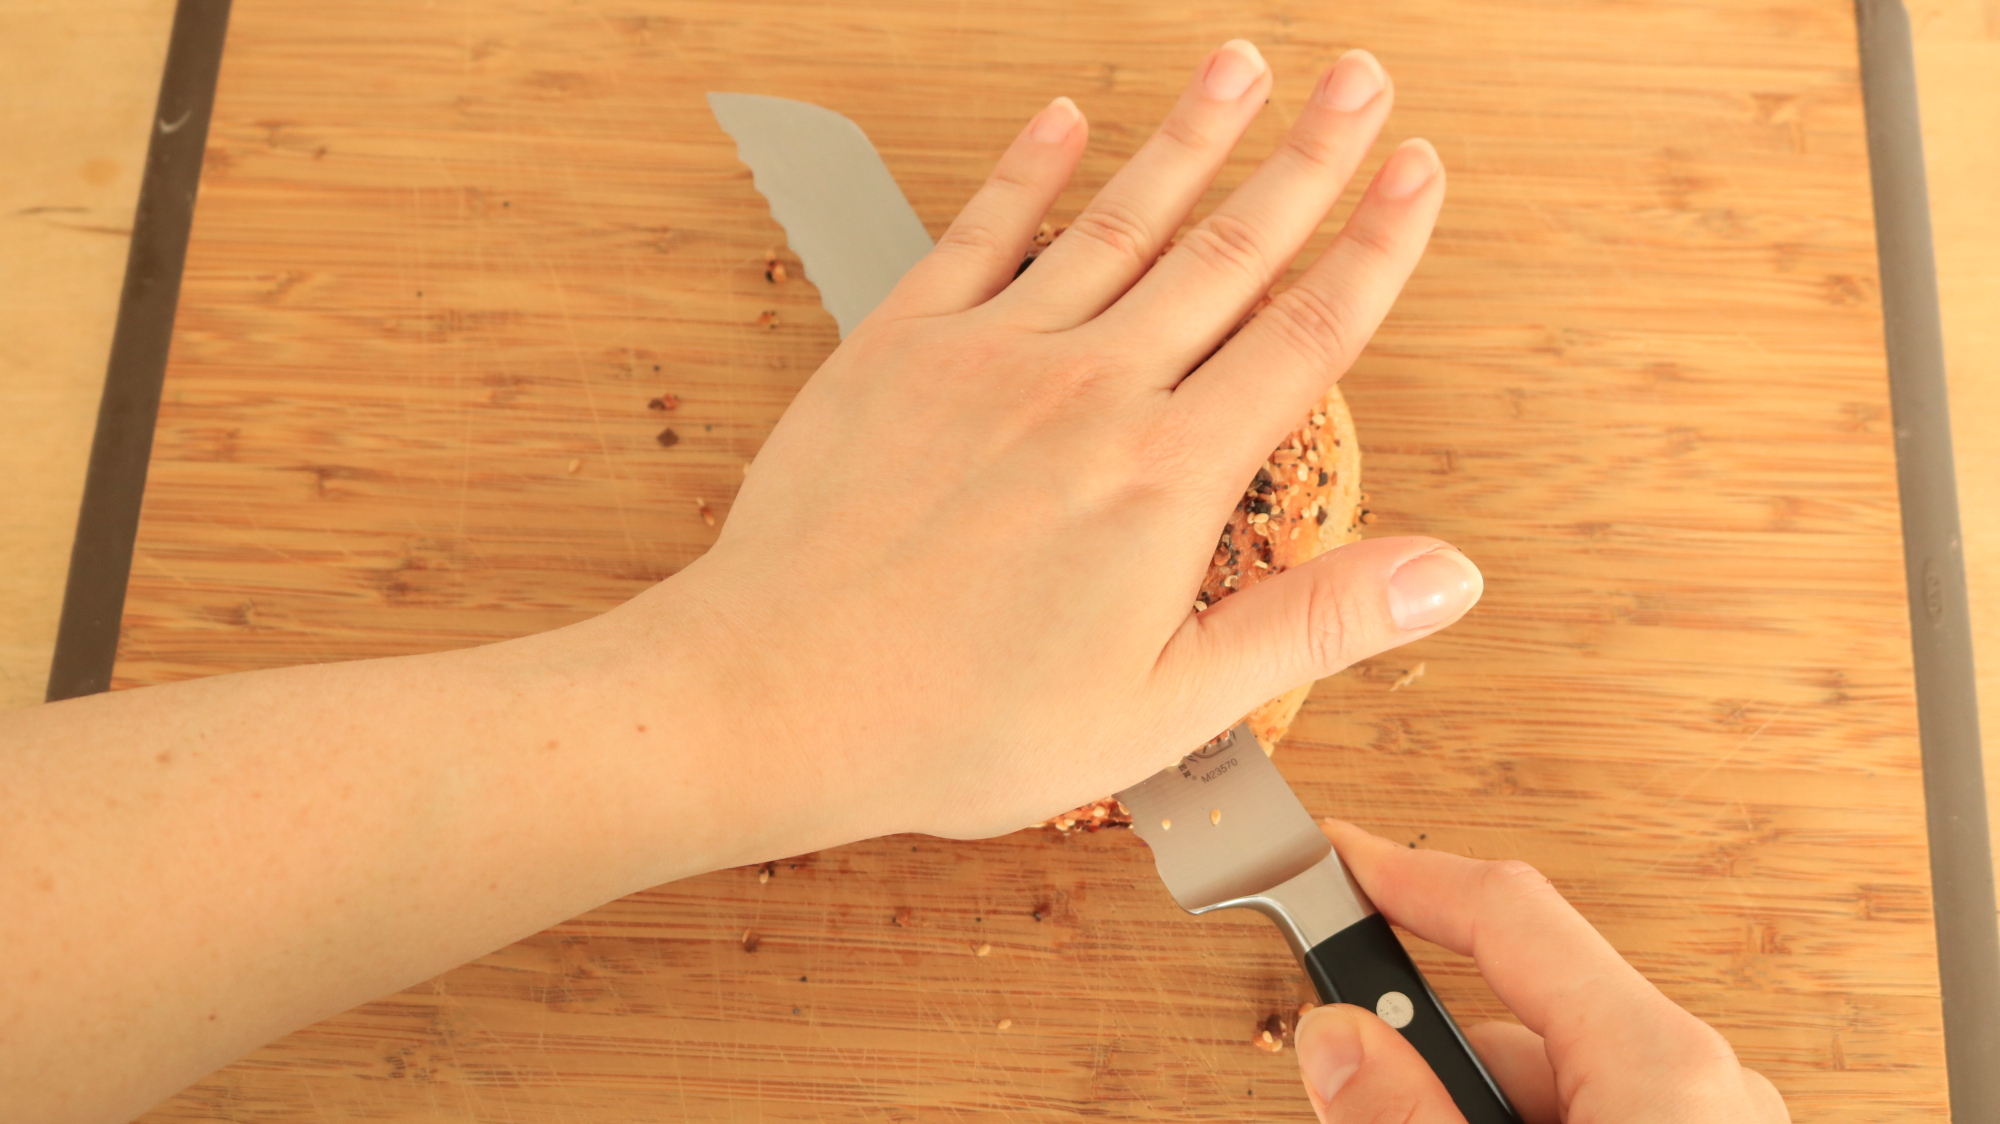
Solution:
(1228, 833)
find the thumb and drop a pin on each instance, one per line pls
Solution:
(1312, 620)
(1358, 1071)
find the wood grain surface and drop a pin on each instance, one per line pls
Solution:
(445, 254)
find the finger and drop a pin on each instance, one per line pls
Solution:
(1765, 1097)
(1202, 288)
(1271, 372)
(1312, 620)
(1358, 1071)
(981, 251)
(1518, 1060)
(1117, 236)
(1565, 981)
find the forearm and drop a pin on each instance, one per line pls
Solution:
(191, 871)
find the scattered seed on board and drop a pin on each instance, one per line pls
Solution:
(982, 950)
(1166, 825)
(1003, 1024)
(774, 271)
(574, 464)
(1268, 1042)
(707, 516)
(664, 402)
(763, 876)
(1408, 677)
(1215, 816)
(1368, 517)
(751, 940)
(768, 318)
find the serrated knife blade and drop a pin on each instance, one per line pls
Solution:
(841, 209)
(1227, 832)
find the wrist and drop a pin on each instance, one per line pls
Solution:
(668, 701)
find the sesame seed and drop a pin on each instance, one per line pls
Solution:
(982, 950)
(1166, 825)
(1215, 816)
(1003, 1024)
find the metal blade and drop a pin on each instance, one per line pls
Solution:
(841, 209)
(1227, 832)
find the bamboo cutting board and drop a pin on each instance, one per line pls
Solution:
(446, 253)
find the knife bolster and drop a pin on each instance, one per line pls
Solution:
(1309, 907)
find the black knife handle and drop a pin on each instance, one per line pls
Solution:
(1365, 962)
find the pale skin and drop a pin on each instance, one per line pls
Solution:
(954, 597)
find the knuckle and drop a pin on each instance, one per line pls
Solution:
(1317, 152)
(1514, 879)
(974, 239)
(1115, 226)
(1229, 243)
(1332, 622)
(1371, 239)
(1182, 132)
(1310, 324)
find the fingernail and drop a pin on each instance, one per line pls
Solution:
(1433, 588)
(1231, 70)
(1329, 1051)
(1353, 82)
(1056, 121)
(1410, 167)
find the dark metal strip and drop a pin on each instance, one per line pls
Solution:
(1962, 892)
(100, 561)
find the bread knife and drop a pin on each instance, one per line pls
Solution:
(1227, 833)
(841, 209)
(1225, 830)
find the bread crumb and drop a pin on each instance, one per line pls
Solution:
(1408, 677)
(664, 402)
(667, 438)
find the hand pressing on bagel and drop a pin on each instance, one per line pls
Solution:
(959, 580)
